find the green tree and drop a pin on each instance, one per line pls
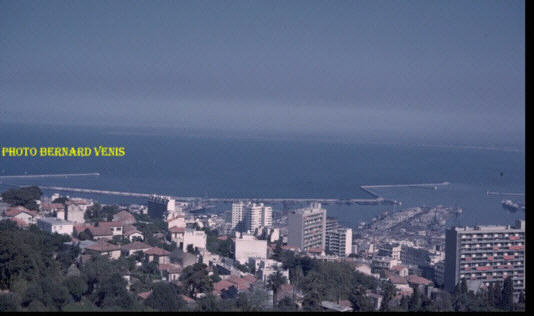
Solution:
(286, 304)
(312, 301)
(9, 303)
(388, 293)
(360, 303)
(195, 279)
(414, 304)
(25, 196)
(165, 298)
(508, 294)
(208, 303)
(275, 282)
(76, 286)
(112, 294)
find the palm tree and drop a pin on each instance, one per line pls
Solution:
(275, 282)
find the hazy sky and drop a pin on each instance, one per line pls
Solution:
(445, 70)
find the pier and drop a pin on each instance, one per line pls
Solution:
(434, 186)
(504, 193)
(56, 175)
(378, 200)
(375, 200)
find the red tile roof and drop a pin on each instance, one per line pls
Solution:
(144, 295)
(176, 229)
(156, 251)
(14, 211)
(395, 279)
(52, 206)
(103, 246)
(136, 245)
(221, 285)
(415, 279)
(124, 217)
(250, 278)
(129, 230)
(239, 282)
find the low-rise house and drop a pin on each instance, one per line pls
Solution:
(195, 238)
(76, 208)
(134, 247)
(241, 283)
(23, 214)
(419, 282)
(132, 233)
(124, 217)
(267, 267)
(101, 230)
(103, 247)
(161, 256)
(184, 259)
(54, 225)
(177, 234)
(400, 283)
(400, 270)
(49, 208)
(176, 220)
(170, 272)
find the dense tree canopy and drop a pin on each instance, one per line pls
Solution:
(25, 196)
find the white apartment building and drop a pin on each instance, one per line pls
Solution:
(267, 267)
(54, 225)
(251, 216)
(196, 238)
(483, 255)
(246, 246)
(338, 240)
(307, 227)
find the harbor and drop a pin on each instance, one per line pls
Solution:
(375, 200)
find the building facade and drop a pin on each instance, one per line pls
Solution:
(54, 225)
(251, 216)
(485, 254)
(338, 239)
(160, 206)
(246, 246)
(307, 227)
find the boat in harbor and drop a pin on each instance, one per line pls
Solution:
(512, 206)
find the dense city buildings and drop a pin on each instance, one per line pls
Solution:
(307, 227)
(483, 255)
(338, 240)
(249, 217)
(159, 206)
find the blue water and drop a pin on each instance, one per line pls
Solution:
(219, 167)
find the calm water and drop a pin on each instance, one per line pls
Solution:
(194, 166)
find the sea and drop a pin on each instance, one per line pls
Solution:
(215, 166)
